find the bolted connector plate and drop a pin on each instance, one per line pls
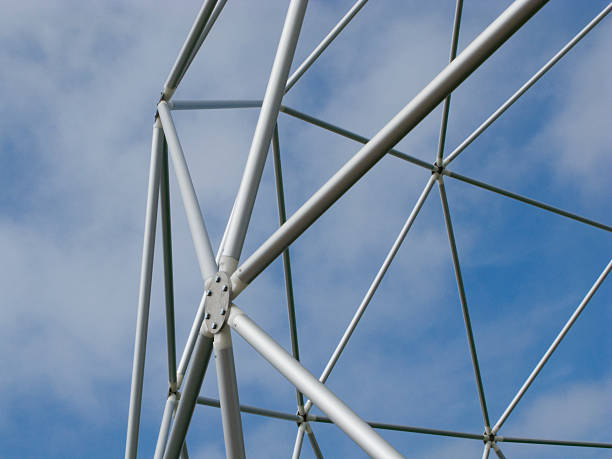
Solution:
(218, 294)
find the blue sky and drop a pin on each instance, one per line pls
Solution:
(80, 83)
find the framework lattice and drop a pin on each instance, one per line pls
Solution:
(225, 278)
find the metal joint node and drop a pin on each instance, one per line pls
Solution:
(218, 293)
(488, 437)
(437, 169)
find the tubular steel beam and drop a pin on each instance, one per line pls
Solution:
(201, 241)
(446, 105)
(360, 432)
(324, 44)
(375, 283)
(207, 401)
(442, 85)
(164, 427)
(164, 197)
(464, 307)
(313, 441)
(487, 450)
(193, 383)
(282, 217)
(299, 438)
(552, 348)
(245, 199)
(188, 49)
(540, 441)
(498, 451)
(144, 294)
(497, 113)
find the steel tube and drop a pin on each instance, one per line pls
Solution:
(448, 79)
(446, 105)
(193, 383)
(313, 442)
(297, 447)
(497, 113)
(463, 301)
(498, 451)
(324, 44)
(374, 286)
(207, 401)
(487, 450)
(228, 394)
(360, 432)
(540, 441)
(165, 427)
(164, 197)
(552, 348)
(282, 217)
(144, 294)
(245, 199)
(212, 104)
(180, 65)
(191, 340)
(201, 241)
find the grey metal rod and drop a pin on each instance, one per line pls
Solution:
(497, 113)
(245, 199)
(541, 441)
(228, 395)
(193, 383)
(487, 450)
(498, 451)
(180, 65)
(313, 442)
(526, 200)
(144, 294)
(201, 241)
(160, 446)
(299, 438)
(191, 339)
(374, 286)
(324, 44)
(463, 301)
(446, 104)
(350, 135)
(552, 348)
(213, 104)
(207, 401)
(164, 197)
(447, 80)
(360, 432)
(282, 217)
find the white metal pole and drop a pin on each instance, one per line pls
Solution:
(552, 348)
(375, 283)
(498, 451)
(448, 79)
(165, 427)
(144, 294)
(324, 44)
(193, 383)
(299, 439)
(228, 395)
(249, 184)
(360, 432)
(201, 241)
(313, 441)
(487, 450)
(191, 339)
(497, 113)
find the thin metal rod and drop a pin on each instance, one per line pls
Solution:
(487, 450)
(447, 80)
(349, 135)
(193, 334)
(193, 383)
(164, 197)
(463, 301)
(252, 410)
(324, 44)
(201, 241)
(498, 451)
(540, 441)
(299, 438)
(212, 104)
(313, 441)
(144, 294)
(245, 199)
(282, 217)
(403, 428)
(228, 395)
(375, 283)
(497, 113)
(164, 427)
(360, 432)
(446, 105)
(189, 48)
(552, 348)
(184, 453)
(526, 200)
(205, 31)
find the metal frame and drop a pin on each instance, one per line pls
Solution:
(185, 380)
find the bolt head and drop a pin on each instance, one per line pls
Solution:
(217, 279)
(207, 315)
(225, 288)
(208, 293)
(222, 312)
(213, 325)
